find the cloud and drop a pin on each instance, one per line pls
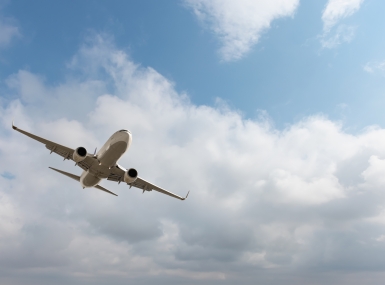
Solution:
(338, 9)
(239, 24)
(8, 31)
(342, 34)
(375, 67)
(265, 204)
(335, 11)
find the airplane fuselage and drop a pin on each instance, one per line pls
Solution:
(106, 158)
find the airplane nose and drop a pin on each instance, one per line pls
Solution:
(129, 137)
(125, 135)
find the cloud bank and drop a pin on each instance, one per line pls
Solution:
(289, 206)
(239, 24)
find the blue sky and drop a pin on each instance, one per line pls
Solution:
(287, 73)
(269, 111)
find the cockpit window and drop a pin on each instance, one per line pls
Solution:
(123, 131)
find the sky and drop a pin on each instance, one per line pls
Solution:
(270, 112)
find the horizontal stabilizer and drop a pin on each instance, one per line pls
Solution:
(73, 176)
(104, 189)
(77, 178)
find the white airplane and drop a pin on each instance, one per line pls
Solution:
(101, 165)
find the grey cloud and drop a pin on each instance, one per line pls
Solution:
(123, 223)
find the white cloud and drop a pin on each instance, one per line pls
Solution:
(290, 199)
(335, 11)
(342, 34)
(374, 67)
(338, 9)
(239, 24)
(374, 173)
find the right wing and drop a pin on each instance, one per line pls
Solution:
(117, 175)
(147, 186)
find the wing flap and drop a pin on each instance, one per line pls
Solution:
(116, 174)
(87, 163)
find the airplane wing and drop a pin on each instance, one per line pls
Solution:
(117, 175)
(147, 186)
(63, 151)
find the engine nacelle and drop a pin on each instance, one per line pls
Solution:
(79, 154)
(130, 175)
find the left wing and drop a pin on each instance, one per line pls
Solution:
(63, 151)
(117, 175)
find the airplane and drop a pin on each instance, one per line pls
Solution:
(101, 165)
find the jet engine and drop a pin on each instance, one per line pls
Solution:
(130, 175)
(79, 154)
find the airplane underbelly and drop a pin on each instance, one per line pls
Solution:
(89, 180)
(113, 153)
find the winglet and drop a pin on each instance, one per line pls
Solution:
(13, 126)
(186, 195)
